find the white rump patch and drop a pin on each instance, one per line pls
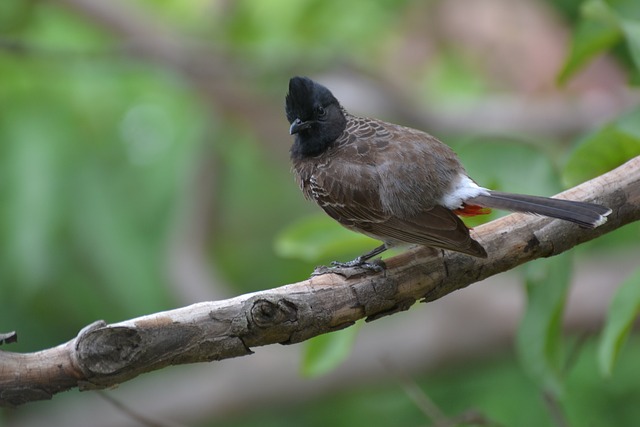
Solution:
(462, 190)
(602, 220)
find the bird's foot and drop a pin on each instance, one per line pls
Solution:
(376, 265)
(356, 267)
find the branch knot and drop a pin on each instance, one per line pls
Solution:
(109, 349)
(266, 313)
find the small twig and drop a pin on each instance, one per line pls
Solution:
(575, 350)
(429, 408)
(555, 409)
(144, 420)
(419, 397)
(553, 405)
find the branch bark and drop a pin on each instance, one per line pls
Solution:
(104, 355)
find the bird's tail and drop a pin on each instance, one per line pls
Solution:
(588, 215)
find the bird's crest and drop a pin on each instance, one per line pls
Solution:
(305, 95)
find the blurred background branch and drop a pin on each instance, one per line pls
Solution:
(224, 82)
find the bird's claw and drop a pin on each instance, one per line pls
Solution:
(352, 268)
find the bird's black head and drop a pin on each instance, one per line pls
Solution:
(315, 117)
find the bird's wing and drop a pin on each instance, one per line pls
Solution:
(437, 227)
(348, 188)
(415, 170)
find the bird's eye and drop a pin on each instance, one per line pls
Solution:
(321, 112)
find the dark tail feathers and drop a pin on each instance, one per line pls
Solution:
(588, 215)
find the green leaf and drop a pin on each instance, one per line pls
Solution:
(598, 10)
(538, 341)
(631, 30)
(597, 31)
(499, 165)
(325, 352)
(318, 237)
(623, 310)
(605, 149)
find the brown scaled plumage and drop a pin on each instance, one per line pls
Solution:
(393, 183)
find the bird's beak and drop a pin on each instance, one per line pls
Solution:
(298, 125)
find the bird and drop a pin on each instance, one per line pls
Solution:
(398, 185)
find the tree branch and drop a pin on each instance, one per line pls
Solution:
(104, 355)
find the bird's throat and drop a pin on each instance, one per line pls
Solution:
(308, 146)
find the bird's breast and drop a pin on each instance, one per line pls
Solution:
(305, 176)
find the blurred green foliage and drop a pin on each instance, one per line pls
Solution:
(316, 238)
(98, 151)
(90, 164)
(268, 28)
(539, 341)
(603, 24)
(604, 149)
(624, 309)
(323, 353)
(496, 388)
